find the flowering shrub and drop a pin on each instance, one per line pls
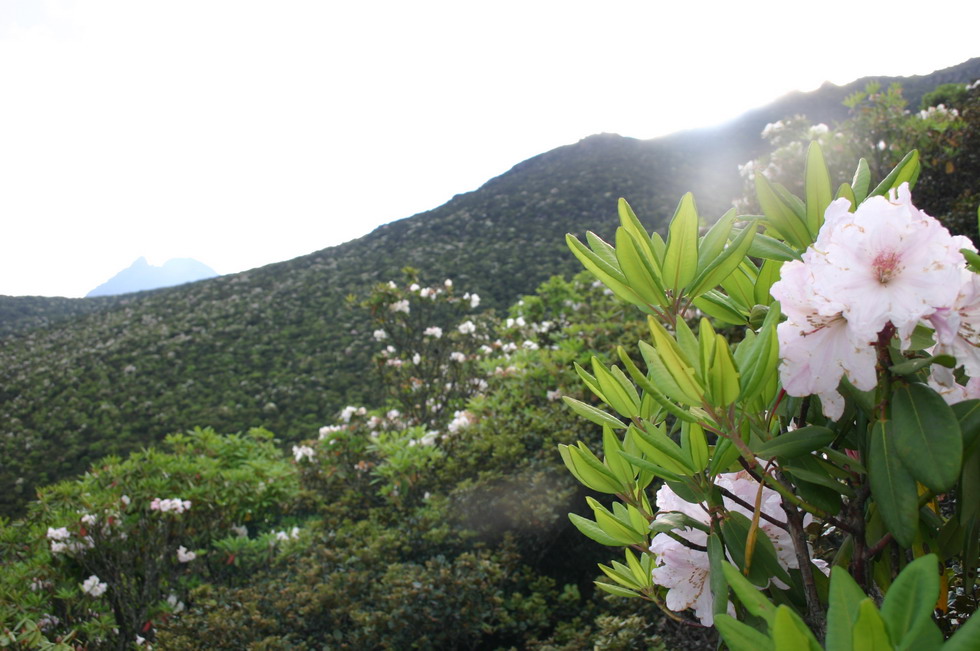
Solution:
(109, 558)
(822, 424)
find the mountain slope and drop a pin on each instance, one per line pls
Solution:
(279, 347)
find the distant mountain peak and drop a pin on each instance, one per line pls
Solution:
(141, 275)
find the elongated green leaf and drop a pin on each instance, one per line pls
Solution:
(789, 632)
(911, 366)
(639, 271)
(611, 447)
(617, 590)
(716, 575)
(656, 445)
(817, 188)
(891, 485)
(764, 562)
(909, 602)
(927, 436)
(714, 240)
(754, 601)
(721, 307)
(844, 191)
(611, 276)
(869, 629)
(907, 171)
(591, 530)
(681, 257)
(769, 248)
(590, 381)
(861, 181)
(629, 221)
(593, 414)
(845, 597)
(798, 442)
(967, 638)
(653, 468)
(781, 216)
(586, 468)
(724, 263)
(768, 275)
(621, 397)
(613, 526)
(723, 377)
(741, 637)
(651, 390)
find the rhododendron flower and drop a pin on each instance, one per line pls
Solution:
(301, 452)
(684, 571)
(466, 328)
(815, 344)
(61, 533)
(185, 556)
(380, 335)
(93, 586)
(958, 327)
(432, 331)
(457, 356)
(885, 262)
(400, 306)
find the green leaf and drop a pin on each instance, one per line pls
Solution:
(725, 263)
(617, 590)
(861, 181)
(721, 307)
(967, 638)
(798, 442)
(912, 366)
(620, 395)
(591, 530)
(817, 188)
(844, 598)
(716, 575)
(655, 469)
(610, 276)
(593, 414)
(907, 171)
(754, 601)
(764, 561)
(741, 637)
(640, 273)
(927, 436)
(586, 468)
(790, 633)
(681, 257)
(910, 600)
(713, 242)
(769, 248)
(869, 629)
(893, 488)
(972, 259)
(611, 447)
(629, 221)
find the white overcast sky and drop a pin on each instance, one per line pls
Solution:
(242, 133)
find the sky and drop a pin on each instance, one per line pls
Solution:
(243, 133)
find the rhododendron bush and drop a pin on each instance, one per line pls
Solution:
(806, 411)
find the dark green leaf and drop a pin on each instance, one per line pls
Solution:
(927, 436)
(891, 486)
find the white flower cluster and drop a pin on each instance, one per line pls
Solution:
(457, 357)
(432, 331)
(938, 111)
(400, 306)
(61, 541)
(93, 586)
(328, 430)
(684, 571)
(185, 556)
(474, 300)
(380, 335)
(461, 420)
(466, 327)
(301, 452)
(175, 505)
(886, 263)
(282, 536)
(350, 411)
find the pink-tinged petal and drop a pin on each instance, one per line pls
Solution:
(958, 328)
(888, 262)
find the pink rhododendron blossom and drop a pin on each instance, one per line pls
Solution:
(684, 571)
(958, 327)
(885, 263)
(815, 344)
